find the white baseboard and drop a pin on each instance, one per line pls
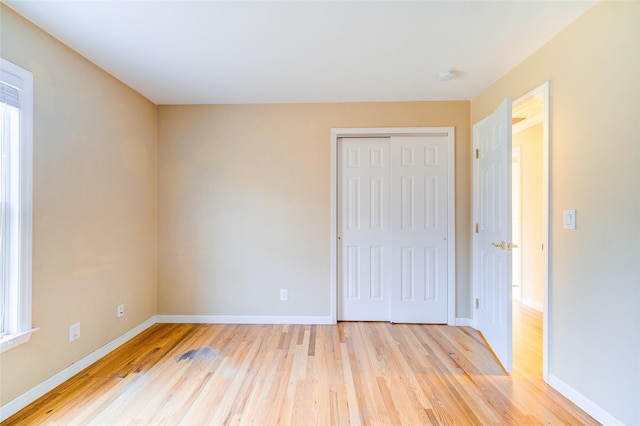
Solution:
(530, 303)
(463, 322)
(243, 319)
(12, 407)
(588, 406)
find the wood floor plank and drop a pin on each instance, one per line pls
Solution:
(350, 373)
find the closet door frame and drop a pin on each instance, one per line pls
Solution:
(391, 132)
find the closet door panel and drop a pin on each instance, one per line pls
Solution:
(418, 222)
(363, 248)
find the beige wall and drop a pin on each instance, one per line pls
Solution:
(244, 202)
(93, 208)
(594, 69)
(530, 143)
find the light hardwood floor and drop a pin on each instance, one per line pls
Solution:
(352, 373)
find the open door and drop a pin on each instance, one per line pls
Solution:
(492, 231)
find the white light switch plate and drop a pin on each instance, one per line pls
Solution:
(569, 220)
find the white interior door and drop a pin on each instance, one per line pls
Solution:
(363, 250)
(492, 236)
(419, 229)
(393, 228)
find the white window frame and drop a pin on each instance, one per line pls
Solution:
(17, 261)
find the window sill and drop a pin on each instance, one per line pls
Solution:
(12, 340)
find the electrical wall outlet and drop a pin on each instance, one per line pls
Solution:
(121, 310)
(284, 295)
(74, 332)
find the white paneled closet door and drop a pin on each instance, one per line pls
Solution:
(418, 207)
(392, 227)
(364, 230)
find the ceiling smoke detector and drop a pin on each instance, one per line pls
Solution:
(447, 75)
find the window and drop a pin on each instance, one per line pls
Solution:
(16, 170)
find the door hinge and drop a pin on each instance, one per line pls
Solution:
(477, 153)
(477, 229)
(477, 303)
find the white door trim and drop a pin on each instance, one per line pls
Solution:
(544, 91)
(451, 250)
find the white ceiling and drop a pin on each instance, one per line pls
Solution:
(215, 52)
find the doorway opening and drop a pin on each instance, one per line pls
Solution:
(530, 218)
(492, 244)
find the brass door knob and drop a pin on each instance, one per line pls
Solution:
(501, 245)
